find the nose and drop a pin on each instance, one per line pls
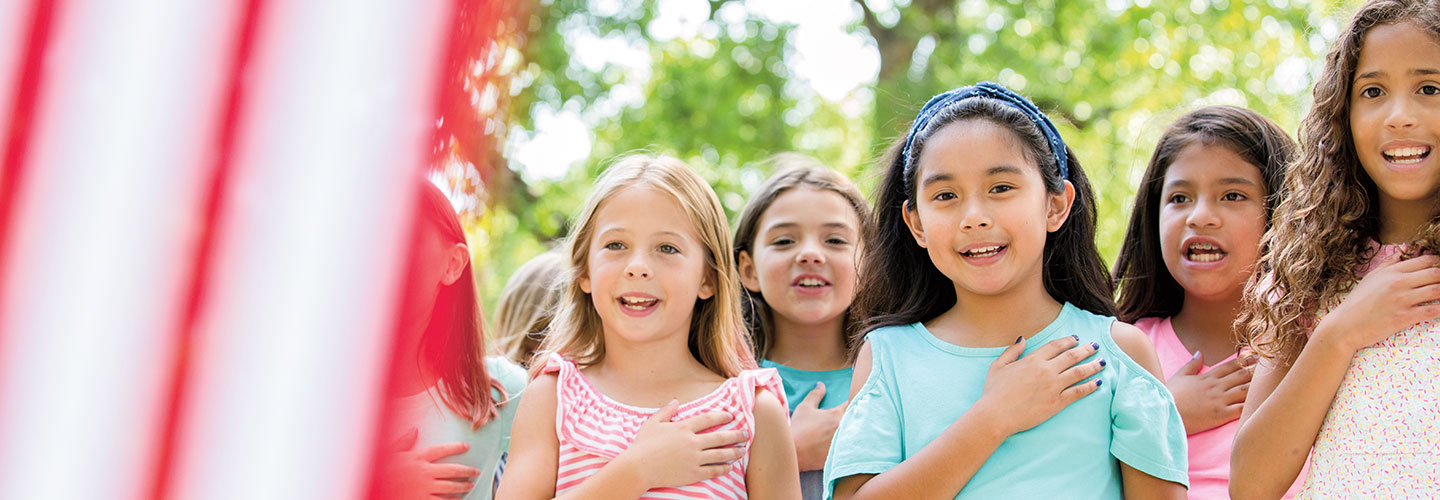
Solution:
(976, 217)
(1203, 215)
(637, 267)
(1401, 113)
(810, 253)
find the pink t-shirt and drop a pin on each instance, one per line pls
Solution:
(1209, 450)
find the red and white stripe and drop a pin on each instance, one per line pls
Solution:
(204, 211)
(593, 429)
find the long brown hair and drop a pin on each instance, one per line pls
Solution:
(1320, 234)
(793, 170)
(718, 339)
(1146, 286)
(527, 305)
(899, 285)
(452, 346)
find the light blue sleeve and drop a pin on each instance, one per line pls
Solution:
(512, 378)
(868, 440)
(1146, 431)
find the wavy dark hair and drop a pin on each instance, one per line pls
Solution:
(1321, 232)
(792, 171)
(1146, 287)
(899, 285)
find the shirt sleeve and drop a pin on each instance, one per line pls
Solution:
(1147, 432)
(868, 439)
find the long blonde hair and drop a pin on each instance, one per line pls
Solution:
(1321, 231)
(718, 338)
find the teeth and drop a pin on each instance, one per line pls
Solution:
(1203, 246)
(1406, 151)
(1206, 257)
(636, 300)
(984, 251)
(811, 282)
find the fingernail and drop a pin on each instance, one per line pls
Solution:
(1102, 361)
(1076, 337)
(1196, 355)
(1098, 382)
(1018, 339)
(1095, 346)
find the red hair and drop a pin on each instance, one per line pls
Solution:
(452, 347)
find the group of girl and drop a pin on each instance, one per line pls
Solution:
(961, 339)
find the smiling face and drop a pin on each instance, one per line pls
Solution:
(646, 266)
(1395, 115)
(982, 211)
(803, 262)
(1212, 216)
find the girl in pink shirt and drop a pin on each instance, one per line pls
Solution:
(650, 314)
(1193, 241)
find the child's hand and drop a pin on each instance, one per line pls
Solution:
(415, 473)
(1214, 398)
(1032, 389)
(814, 428)
(668, 454)
(1391, 298)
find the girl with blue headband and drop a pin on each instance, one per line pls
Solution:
(991, 365)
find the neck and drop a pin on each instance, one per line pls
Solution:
(1207, 324)
(654, 361)
(1401, 221)
(995, 320)
(410, 377)
(815, 347)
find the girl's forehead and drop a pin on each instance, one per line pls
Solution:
(809, 202)
(642, 209)
(973, 148)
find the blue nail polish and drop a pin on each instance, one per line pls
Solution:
(1095, 346)
(1102, 362)
(1076, 337)
(1018, 339)
(1098, 382)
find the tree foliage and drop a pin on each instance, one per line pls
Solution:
(1111, 74)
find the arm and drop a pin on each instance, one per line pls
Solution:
(813, 429)
(534, 449)
(771, 472)
(1283, 413)
(1019, 394)
(1139, 484)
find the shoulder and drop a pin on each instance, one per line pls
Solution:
(510, 375)
(1135, 344)
(768, 410)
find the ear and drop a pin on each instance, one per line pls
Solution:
(457, 256)
(748, 276)
(912, 220)
(707, 288)
(1057, 208)
(584, 281)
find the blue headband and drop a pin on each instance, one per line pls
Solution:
(993, 91)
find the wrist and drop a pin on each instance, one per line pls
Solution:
(986, 420)
(630, 473)
(1330, 337)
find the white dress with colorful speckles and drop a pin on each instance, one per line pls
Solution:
(1381, 437)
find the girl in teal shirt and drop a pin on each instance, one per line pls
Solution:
(992, 366)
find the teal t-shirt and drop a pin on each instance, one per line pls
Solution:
(919, 385)
(437, 424)
(798, 383)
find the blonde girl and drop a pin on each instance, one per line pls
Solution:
(650, 318)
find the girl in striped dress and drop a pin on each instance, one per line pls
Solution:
(645, 386)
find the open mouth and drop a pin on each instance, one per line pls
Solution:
(983, 252)
(638, 303)
(1204, 252)
(1406, 155)
(810, 282)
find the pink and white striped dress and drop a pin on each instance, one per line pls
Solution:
(594, 429)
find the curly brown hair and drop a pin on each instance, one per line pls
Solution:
(1321, 232)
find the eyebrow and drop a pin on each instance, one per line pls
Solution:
(1228, 181)
(608, 230)
(996, 170)
(789, 225)
(1413, 72)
